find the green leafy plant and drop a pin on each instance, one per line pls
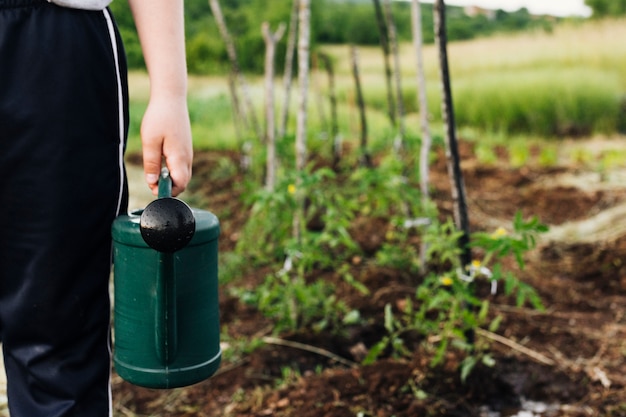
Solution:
(270, 223)
(445, 309)
(384, 190)
(287, 296)
(325, 243)
(292, 303)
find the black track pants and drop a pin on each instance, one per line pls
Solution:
(63, 123)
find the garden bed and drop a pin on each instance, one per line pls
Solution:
(565, 361)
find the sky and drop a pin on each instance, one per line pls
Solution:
(552, 7)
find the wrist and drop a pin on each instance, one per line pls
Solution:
(169, 98)
(169, 82)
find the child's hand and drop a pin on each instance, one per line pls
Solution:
(166, 137)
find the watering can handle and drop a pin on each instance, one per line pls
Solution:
(165, 183)
(166, 322)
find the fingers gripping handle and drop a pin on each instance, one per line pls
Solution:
(165, 183)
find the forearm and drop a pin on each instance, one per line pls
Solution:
(160, 26)
(165, 129)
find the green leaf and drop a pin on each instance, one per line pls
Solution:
(495, 323)
(389, 319)
(484, 310)
(353, 317)
(359, 286)
(467, 366)
(375, 351)
(489, 361)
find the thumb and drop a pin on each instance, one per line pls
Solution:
(152, 161)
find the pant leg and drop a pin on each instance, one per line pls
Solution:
(62, 128)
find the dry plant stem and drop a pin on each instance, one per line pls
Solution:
(516, 346)
(125, 411)
(296, 345)
(231, 366)
(591, 366)
(523, 311)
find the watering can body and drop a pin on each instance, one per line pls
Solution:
(166, 313)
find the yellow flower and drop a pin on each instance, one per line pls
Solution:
(291, 189)
(500, 231)
(476, 269)
(446, 281)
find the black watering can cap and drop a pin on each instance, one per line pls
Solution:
(167, 224)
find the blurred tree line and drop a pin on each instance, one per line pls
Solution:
(606, 8)
(332, 21)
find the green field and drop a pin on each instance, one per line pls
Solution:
(569, 82)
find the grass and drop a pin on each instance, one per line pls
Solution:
(544, 102)
(541, 84)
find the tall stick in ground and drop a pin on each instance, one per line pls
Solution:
(393, 42)
(234, 62)
(271, 39)
(384, 43)
(319, 97)
(334, 119)
(304, 21)
(452, 150)
(365, 157)
(288, 75)
(239, 120)
(416, 17)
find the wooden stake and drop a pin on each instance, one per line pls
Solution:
(304, 22)
(334, 119)
(418, 43)
(416, 17)
(384, 43)
(452, 151)
(393, 42)
(271, 39)
(288, 76)
(232, 56)
(365, 157)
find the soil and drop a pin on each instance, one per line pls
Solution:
(565, 361)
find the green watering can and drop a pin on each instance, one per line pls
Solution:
(166, 315)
